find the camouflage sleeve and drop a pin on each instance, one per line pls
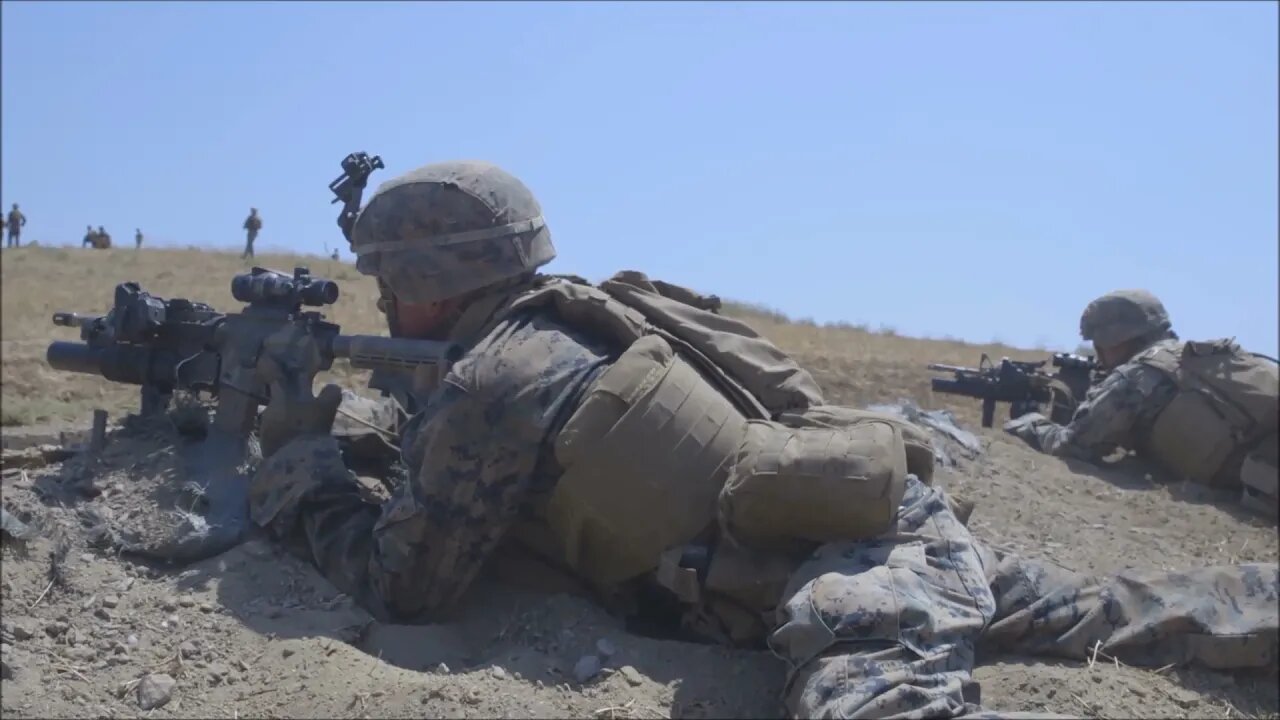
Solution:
(1107, 417)
(475, 454)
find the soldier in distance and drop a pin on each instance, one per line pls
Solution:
(1202, 411)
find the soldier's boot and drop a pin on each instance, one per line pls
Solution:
(1222, 617)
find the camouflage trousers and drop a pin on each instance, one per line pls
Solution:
(248, 245)
(889, 628)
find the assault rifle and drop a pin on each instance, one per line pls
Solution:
(1025, 385)
(166, 345)
(176, 344)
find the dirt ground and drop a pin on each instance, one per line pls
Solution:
(254, 632)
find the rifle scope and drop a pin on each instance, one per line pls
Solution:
(1068, 361)
(268, 286)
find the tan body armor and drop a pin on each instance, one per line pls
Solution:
(1225, 410)
(704, 431)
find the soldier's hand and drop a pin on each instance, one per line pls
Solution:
(288, 363)
(1023, 426)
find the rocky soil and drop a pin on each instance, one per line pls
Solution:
(254, 632)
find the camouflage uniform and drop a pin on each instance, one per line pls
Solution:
(885, 627)
(90, 237)
(1115, 413)
(14, 225)
(1202, 411)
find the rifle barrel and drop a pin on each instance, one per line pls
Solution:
(69, 319)
(951, 368)
(373, 351)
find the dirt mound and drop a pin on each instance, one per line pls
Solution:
(88, 633)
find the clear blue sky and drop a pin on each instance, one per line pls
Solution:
(974, 170)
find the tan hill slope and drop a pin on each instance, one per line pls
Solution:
(853, 365)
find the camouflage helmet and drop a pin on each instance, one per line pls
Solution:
(1121, 316)
(449, 228)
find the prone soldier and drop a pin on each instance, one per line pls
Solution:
(1202, 411)
(650, 447)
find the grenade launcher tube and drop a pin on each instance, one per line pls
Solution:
(120, 363)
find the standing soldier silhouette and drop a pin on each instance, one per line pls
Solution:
(16, 221)
(137, 239)
(252, 225)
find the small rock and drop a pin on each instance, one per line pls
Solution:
(587, 667)
(287, 652)
(472, 697)
(88, 603)
(86, 557)
(442, 669)
(169, 605)
(120, 648)
(155, 690)
(7, 669)
(132, 641)
(110, 601)
(1184, 697)
(186, 602)
(83, 654)
(20, 632)
(605, 648)
(56, 628)
(102, 614)
(631, 675)
(206, 608)
(187, 650)
(499, 673)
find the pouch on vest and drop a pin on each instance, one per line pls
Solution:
(764, 370)
(1191, 438)
(791, 486)
(919, 446)
(1260, 478)
(1226, 403)
(644, 456)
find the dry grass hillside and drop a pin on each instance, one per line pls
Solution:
(852, 363)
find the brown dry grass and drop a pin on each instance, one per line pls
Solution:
(854, 365)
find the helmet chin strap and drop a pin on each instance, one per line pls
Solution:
(387, 304)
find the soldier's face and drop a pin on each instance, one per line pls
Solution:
(1110, 356)
(425, 321)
